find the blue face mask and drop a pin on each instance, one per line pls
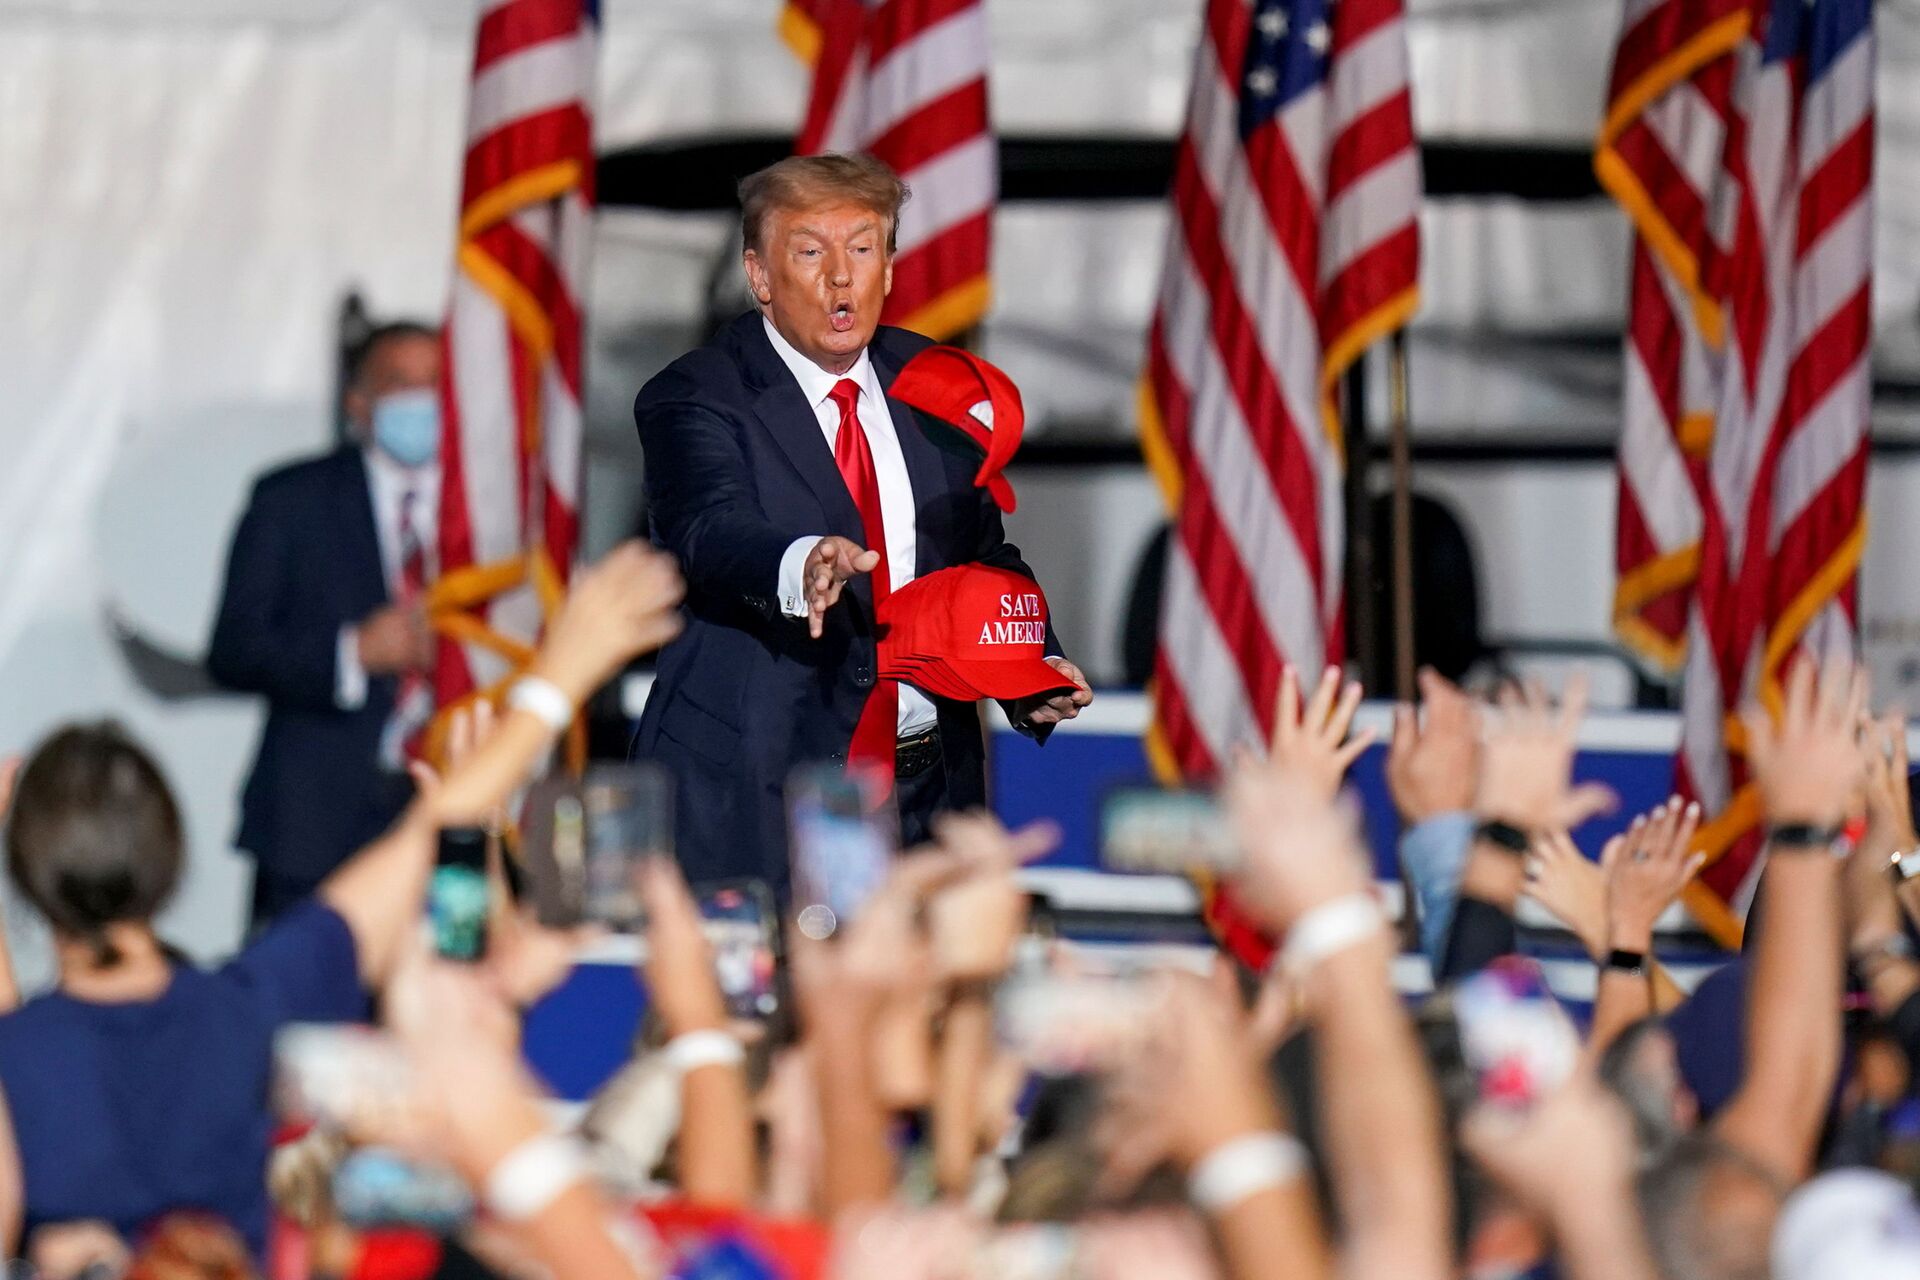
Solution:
(406, 426)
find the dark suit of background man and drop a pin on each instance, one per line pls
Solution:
(321, 615)
(744, 482)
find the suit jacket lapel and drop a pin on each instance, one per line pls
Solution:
(362, 536)
(789, 419)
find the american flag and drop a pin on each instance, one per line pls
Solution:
(511, 383)
(1739, 139)
(906, 81)
(1294, 245)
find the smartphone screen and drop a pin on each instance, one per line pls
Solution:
(457, 895)
(1148, 829)
(739, 924)
(584, 840)
(842, 829)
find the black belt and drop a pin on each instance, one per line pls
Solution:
(914, 756)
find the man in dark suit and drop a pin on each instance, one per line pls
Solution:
(771, 454)
(322, 615)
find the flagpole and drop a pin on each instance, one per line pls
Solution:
(1362, 607)
(1400, 427)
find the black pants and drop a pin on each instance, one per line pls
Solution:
(919, 798)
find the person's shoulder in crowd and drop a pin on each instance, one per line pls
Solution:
(305, 474)
(711, 372)
(899, 345)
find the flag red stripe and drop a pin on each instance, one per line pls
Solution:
(1275, 434)
(528, 263)
(1176, 722)
(530, 142)
(895, 23)
(954, 256)
(1836, 186)
(934, 128)
(1369, 280)
(1381, 133)
(1223, 577)
(522, 25)
(1659, 33)
(1354, 20)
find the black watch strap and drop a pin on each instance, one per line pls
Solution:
(1627, 961)
(1503, 835)
(1795, 837)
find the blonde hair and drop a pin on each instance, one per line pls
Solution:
(808, 182)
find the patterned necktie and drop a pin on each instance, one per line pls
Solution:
(875, 737)
(413, 702)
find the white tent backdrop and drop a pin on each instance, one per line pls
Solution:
(189, 187)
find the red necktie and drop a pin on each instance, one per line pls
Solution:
(875, 737)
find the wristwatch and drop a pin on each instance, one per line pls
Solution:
(1905, 865)
(1626, 961)
(1805, 837)
(1503, 835)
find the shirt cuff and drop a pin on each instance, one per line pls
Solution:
(349, 677)
(791, 590)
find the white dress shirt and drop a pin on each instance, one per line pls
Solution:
(897, 507)
(388, 486)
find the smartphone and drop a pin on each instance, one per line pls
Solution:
(583, 841)
(376, 1187)
(1515, 1037)
(1148, 829)
(458, 895)
(740, 924)
(345, 1075)
(842, 831)
(1068, 1024)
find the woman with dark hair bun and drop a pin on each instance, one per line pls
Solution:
(140, 1085)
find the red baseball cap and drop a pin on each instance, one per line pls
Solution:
(969, 632)
(977, 400)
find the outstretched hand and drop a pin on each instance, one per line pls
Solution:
(1646, 868)
(1527, 768)
(1807, 763)
(831, 564)
(1312, 744)
(1433, 761)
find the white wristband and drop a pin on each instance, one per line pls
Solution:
(1328, 929)
(540, 696)
(533, 1175)
(1245, 1166)
(692, 1050)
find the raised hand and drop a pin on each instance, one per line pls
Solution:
(617, 609)
(1571, 886)
(1646, 867)
(1301, 848)
(975, 921)
(1526, 768)
(1806, 763)
(1311, 744)
(679, 969)
(831, 564)
(1883, 748)
(1433, 762)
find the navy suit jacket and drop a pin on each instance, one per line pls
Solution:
(737, 469)
(306, 562)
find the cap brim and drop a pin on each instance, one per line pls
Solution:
(930, 675)
(1012, 677)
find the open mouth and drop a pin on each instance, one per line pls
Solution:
(841, 317)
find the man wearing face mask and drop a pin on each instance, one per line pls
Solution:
(323, 614)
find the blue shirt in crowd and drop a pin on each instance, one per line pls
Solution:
(124, 1112)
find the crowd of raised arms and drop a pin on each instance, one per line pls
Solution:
(1308, 1120)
